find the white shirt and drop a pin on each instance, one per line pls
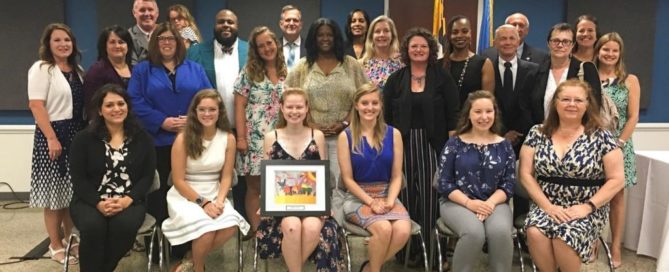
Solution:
(519, 50)
(551, 85)
(227, 69)
(514, 70)
(286, 49)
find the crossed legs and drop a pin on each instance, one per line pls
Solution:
(386, 240)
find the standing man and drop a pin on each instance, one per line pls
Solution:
(222, 59)
(524, 51)
(291, 25)
(514, 81)
(146, 14)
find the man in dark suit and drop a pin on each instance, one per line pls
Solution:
(525, 51)
(514, 81)
(291, 42)
(146, 14)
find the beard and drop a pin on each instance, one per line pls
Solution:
(229, 41)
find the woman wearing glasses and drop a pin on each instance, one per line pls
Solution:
(560, 67)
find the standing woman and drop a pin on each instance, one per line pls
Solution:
(161, 89)
(356, 28)
(560, 67)
(113, 164)
(202, 170)
(330, 79)
(56, 100)
(180, 17)
(586, 36)
(382, 51)
(421, 101)
(476, 182)
(258, 91)
(471, 72)
(624, 90)
(113, 65)
(370, 155)
(298, 238)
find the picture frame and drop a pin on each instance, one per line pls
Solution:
(295, 188)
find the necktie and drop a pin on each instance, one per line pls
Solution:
(227, 50)
(508, 78)
(291, 55)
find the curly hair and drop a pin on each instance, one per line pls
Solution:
(194, 130)
(591, 120)
(97, 125)
(465, 124)
(45, 53)
(431, 43)
(311, 44)
(255, 65)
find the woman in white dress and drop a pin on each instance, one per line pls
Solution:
(197, 205)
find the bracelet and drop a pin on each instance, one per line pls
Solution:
(206, 203)
(592, 206)
(621, 142)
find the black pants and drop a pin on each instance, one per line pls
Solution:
(105, 240)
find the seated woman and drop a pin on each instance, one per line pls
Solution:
(370, 156)
(203, 158)
(571, 168)
(476, 181)
(293, 237)
(113, 163)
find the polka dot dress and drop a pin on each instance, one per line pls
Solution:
(50, 185)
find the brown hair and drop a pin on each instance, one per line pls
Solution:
(380, 127)
(465, 125)
(620, 71)
(193, 132)
(281, 123)
(591, 119)
(45, 53)
(255, 65)
(182, 11)
(154, 55)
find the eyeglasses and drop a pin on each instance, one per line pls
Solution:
(556, 42)
(166, 38)
(206, 110)
(567, 101)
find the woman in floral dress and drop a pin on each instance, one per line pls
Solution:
(624, 90)
(382, 53)
(258, 90)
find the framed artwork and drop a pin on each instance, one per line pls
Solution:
(295, 188)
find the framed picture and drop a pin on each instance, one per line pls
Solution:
(295, 188)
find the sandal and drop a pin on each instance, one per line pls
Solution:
(53, 253)
(184, 266)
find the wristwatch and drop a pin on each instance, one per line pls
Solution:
(345, 123)
(199, 200)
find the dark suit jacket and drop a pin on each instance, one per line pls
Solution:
(303, 50)
(87, 166)
(440, 113)
(509, 103)
(530, 54)
(140, 44)
(535, 105)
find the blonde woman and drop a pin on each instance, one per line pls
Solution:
(382, 51)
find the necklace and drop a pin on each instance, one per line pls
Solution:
(418, 79)
(462, 74)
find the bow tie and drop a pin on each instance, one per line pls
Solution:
(227, 50)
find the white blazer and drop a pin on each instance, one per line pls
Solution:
(46, 82)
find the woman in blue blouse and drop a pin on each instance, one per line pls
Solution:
(161, 89)
(476, 180)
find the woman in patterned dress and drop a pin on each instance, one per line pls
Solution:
(478, 173)
(293, 237)
(624, 90)
(257, 92)
(370, 155)
(56, 99)
(571, 168)
(382, 51)
(113, 164)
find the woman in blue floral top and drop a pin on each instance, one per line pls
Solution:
(382, 51)
(258, 91)
(476, 181)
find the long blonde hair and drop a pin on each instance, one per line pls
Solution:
(619, 69)
(193, 131)
(379, 131)
(370, 51)
(281, 123)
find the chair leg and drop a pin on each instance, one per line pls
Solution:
(240, 252)
(608, 253)
(153, 236)
(66, 264)
(255, 256)
(520, 251)
(440, 265)
(422, 244)
(348, 250)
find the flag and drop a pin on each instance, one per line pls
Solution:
(438, 20)
(485, 32)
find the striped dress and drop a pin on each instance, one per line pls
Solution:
(187, 220)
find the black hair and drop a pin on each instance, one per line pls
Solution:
(98, 127)
(311, 44)
(121, 33)
(349, 19)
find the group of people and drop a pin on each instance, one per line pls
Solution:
(386, 112)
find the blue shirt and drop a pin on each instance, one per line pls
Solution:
(372, 166)
(477, 170)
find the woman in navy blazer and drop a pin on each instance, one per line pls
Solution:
(161, 89)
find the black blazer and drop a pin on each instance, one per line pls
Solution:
(530, 54)
(535, 106)
(509, 103)
(440, 113)
(348, 50)
(87, 166)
